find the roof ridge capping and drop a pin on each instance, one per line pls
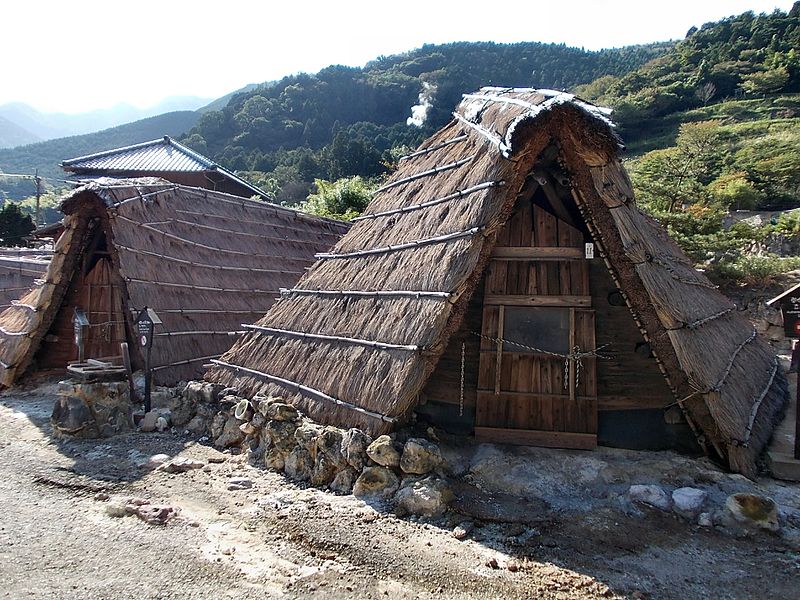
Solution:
(536, 103)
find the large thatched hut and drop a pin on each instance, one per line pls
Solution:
(504, 281)
(204, 261)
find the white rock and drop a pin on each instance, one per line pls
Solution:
(240, 483)
(705, 520)
(156, 461)
(688, 502)
(426, 498)
(651, 495)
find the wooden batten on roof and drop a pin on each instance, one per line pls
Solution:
(205, 261)
(411, 276)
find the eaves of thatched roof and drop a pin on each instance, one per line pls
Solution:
(355, 341)
(205, 261)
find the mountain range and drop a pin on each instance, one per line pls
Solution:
(22, 124)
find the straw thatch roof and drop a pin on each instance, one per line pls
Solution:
(19, 270)
(204, 261)
(355, 341)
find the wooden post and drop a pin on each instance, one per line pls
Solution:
(795, 357)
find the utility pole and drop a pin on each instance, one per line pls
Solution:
(38, 196)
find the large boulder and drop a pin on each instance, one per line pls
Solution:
(278, 411)
(180, 407)
(378, 482)
(420, 456)
(354, 448)
(231, 434)
(329, 444)
(306, 437)
(274, 459)
(218, 424)
(202, 392)
(298, 464)
(428, 497)
(344, 481)
(72, 417)
(324, 470)
(753, 511)
(651, 495)
(279, 435)
(384, 452)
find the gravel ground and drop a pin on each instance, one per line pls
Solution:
(62, 536)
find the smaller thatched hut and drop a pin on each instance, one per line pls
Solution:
(19, 270)
(204, 261)
(504, 282)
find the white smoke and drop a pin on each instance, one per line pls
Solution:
(419, 112)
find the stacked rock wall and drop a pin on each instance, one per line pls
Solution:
(404, 472)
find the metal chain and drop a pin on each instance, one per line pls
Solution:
(576, 354)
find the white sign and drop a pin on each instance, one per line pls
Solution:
(589, 250)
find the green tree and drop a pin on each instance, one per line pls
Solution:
(735, 191)
(342, 199)
(766, 82)
(674, 177)
(14, 225)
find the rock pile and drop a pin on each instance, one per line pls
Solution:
(92, 410)
(406, 475)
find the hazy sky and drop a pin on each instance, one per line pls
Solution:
(85, 54)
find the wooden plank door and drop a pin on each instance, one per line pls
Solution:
(102, 302)
(537, 312)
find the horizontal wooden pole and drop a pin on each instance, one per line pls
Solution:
(534, 437)
(303, 389)
(405, 246)
(366, 294)
(332, 338)
(519, 300)
(537, 253)
(444, 144)
(420, 175)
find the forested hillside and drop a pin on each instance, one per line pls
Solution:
(747, 56)
(713, 126)
(346, 121)
(46, 156)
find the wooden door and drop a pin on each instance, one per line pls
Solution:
(102, 301)
(533, 387)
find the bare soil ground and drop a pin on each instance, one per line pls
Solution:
(60, 536)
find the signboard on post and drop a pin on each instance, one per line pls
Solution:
(146, 321)
(80, 325)
(789, 302)
(790, 307)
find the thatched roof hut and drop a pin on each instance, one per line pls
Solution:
(504, 280)
(204, 261)
(19, 270)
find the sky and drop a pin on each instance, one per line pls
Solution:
(77, 56)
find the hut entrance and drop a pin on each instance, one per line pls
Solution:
(95, 290)
(534, 387)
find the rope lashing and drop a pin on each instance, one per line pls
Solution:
(575, 354)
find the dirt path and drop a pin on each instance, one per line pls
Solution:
(60, 536)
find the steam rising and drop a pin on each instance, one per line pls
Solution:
(419, 112)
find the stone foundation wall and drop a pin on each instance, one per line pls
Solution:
(398, 470)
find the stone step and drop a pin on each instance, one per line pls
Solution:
(784, 466)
